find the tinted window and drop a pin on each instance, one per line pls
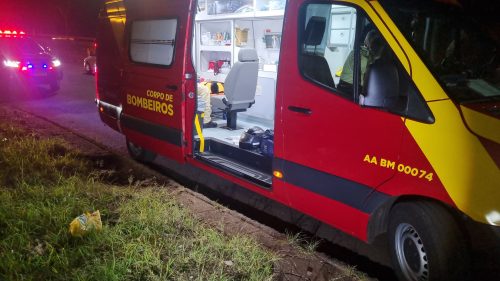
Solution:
(458, 50)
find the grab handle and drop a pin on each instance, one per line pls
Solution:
(301, 110)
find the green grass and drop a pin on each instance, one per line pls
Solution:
(304, 244)
(146, 234)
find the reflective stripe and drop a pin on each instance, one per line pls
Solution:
(353, 194)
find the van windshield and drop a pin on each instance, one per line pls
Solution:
(461, 53)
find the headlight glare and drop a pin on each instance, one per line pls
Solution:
(56, 63)
(11, 63)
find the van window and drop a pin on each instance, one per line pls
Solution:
(330, 55)
(327, 41)
(461, 53)
(342, 50)
(152, 41)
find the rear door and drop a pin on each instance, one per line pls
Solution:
(158, 76)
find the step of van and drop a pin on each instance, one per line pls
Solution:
(248, 164)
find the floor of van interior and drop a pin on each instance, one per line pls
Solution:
(221, 149)
(233, 136)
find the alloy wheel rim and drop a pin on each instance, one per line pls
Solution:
(410, 252)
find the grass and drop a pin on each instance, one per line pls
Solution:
(146, 234)
(303, 243)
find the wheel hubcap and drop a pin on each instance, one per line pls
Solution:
(411, 254)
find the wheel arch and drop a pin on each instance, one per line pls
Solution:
(379, 220)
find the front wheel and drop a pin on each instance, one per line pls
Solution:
(426, 243)
(140, 154)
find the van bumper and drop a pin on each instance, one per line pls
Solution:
(110, 114)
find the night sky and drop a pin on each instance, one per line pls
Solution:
(79, 17)
(50, 17)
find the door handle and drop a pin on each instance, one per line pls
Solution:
(171, 87)
(301, 110)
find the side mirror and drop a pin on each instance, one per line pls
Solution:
(390, 88)
(382, 87)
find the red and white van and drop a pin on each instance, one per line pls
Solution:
(380, 117)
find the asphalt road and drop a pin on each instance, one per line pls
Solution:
(72, 107)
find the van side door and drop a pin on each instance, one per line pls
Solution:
(158, 76)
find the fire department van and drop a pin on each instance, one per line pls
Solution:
(376, 118)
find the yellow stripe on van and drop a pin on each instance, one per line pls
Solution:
(463, 165)
(482, 124)
(468, 173)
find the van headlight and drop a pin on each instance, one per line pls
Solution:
(493, 218)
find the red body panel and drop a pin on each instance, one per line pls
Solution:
(339, 139)
(334, 139)
(425, 183)
(165, 89)
(348, 219)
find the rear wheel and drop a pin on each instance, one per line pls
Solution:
(140, 154)
(426, 243)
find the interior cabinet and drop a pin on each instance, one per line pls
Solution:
(226, 7)
(219, 37)
(342, 26)
(223, 27)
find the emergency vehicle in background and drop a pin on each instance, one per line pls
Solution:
(25, 63)
(396, 135)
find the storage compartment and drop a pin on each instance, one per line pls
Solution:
(214, 61)
(240, 36)
(272, 40)
(270, 5)
(342, 26)
(215, 33)
(217, 7)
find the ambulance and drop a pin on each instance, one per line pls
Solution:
(380, 119)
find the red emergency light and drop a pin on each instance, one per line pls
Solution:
(12, 32)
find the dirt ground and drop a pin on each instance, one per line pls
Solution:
(296, 263)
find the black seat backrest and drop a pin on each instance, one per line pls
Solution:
(314, 32)
(314, 66)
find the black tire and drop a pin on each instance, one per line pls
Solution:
(426, 243)
(140, 154)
